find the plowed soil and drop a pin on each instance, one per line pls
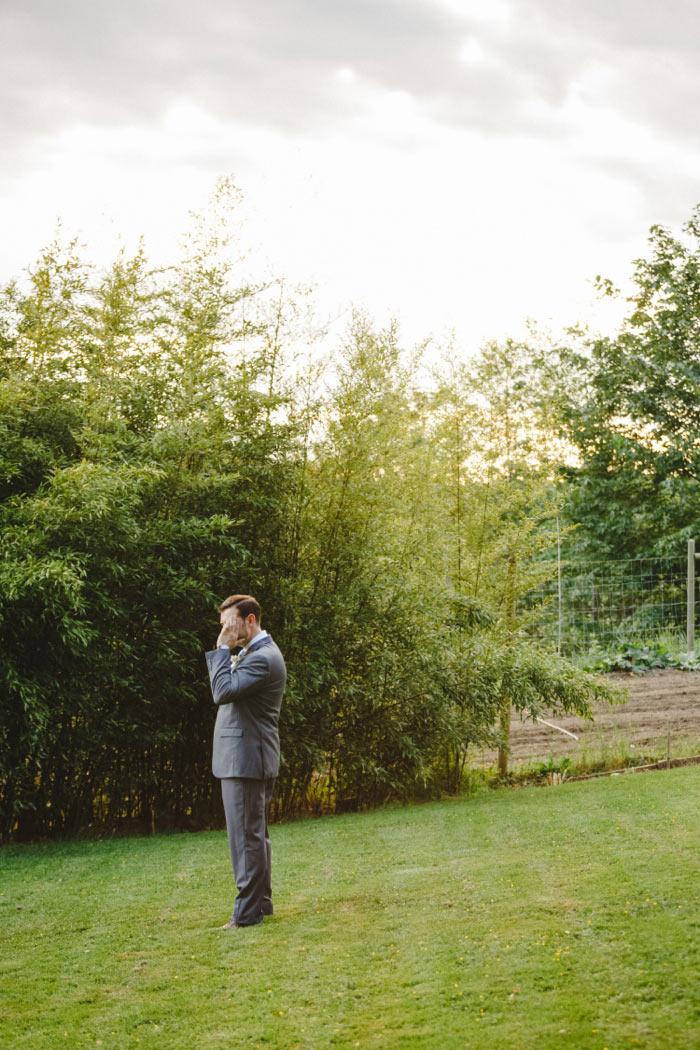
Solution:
(660, 702)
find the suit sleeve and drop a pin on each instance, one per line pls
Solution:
(228, 685)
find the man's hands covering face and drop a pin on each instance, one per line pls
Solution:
(232, 631)
(228, 636)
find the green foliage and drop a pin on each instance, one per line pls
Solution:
(168, 438)
(552, 765)
(132, 455)
(643, 658)
(630, 406)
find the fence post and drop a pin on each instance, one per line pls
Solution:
(690, 625)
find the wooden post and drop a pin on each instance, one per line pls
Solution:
(690, 624)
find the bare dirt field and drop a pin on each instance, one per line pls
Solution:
(660, 702)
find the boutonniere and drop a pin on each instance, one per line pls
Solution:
(237, 657)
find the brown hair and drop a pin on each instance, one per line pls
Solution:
(244, 605)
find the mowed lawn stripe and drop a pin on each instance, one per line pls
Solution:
(519, 918)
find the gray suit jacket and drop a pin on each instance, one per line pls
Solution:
(249, 697)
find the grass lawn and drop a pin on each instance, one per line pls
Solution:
(544, 917)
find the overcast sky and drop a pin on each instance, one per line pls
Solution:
(456, 163)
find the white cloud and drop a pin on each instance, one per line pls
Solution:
(472, 52)
(481, 12)
(460, 163)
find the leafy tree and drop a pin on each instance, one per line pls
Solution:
(136, 460)
(629, 406)
(498, 464)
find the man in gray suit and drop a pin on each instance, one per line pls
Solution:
(248, 692)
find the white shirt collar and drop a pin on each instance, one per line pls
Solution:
(258, 637)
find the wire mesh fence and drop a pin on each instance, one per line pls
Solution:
(592, 605)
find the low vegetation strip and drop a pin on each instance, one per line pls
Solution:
(519, 918)
(651, 767)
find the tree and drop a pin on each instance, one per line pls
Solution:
(498, 465)
(630, 406)
(137, 468)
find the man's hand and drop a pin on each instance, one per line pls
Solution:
(229, 636)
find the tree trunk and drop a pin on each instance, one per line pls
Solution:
(504, 725)
(504, 717)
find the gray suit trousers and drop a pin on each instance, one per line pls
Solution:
(247, 804)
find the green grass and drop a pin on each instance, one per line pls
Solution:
(535, 918)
